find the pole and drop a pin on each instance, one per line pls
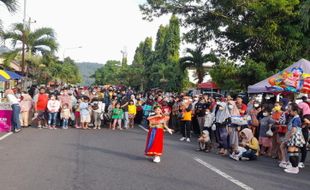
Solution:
(23, 38)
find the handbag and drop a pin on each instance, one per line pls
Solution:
(269, 133)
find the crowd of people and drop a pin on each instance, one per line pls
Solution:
(279, 130)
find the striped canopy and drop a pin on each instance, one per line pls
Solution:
(9, 75)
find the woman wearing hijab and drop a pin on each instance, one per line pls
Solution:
(233, 129)
(221, 116)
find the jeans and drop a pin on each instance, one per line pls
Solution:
(126, 120)
(65, 123)
(250, 154)
(15, 117)
(186, 129)
(52, 118)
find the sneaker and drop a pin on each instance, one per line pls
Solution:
(156, 159)
(17, 130)
(50, 127)
(44, 127)
(245, 159)
(95, 128)
(99, 127)
(292, 170)
(301, 165)
(182, 139)
(188, 140)
(283, 164)
(234, 157)
(39, 127)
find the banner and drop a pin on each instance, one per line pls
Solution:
(5, 117)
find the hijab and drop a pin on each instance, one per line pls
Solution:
(234, 111)
(222, 115)
(248, 134)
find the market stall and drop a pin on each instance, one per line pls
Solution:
(8, 79)
(294, 79)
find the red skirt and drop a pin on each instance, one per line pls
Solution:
(154, 142)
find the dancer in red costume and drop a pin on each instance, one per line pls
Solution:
(155, 137)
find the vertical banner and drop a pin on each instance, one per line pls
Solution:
(5, 117)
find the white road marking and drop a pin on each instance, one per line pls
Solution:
(5, 136)
(143, 128)
(223, 174)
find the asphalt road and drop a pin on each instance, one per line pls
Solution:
(113, 160)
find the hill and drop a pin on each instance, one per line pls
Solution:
(88, 69)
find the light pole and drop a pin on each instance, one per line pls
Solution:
(23, 40)
(66, 49)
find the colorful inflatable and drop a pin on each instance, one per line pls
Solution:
(294, 81)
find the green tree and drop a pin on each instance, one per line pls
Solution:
(195, 59)
(226, 75)
(42, 41)
(272, 32)
(10, 5)
(251, 72)
(108, 74)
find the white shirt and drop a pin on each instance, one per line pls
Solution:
(12, 99)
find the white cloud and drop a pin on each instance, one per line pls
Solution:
(102, 27)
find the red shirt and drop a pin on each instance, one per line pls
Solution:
(41, 103)
(242, 108)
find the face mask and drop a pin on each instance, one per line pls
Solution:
(230, 107)
(185, 101)
(265, 114)
(61, 93)
(256, 105)
(221, 108)
(196, 99)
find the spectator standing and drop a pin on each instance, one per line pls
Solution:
(40, 101)
(15, 110)
(53, 107)
(26, 105)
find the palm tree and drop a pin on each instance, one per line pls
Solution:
(11, 5)
(196, 59)
(39, 42)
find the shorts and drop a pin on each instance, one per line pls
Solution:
(85, 119)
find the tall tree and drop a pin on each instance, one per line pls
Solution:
(42, 41)
(11, 6)
(265, 31)
(195, 59)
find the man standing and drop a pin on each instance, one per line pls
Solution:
(40, 101)
(124, 106)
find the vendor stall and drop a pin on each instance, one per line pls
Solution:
(294, 79)
(8, 80)
(5, 117)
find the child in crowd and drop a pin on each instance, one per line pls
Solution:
(204, 141)
(65, 116)
(132, 111)
(265, 139)
(117, 115)
(108, 116)
(53, 106)
(77, 114)
(85, 113)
